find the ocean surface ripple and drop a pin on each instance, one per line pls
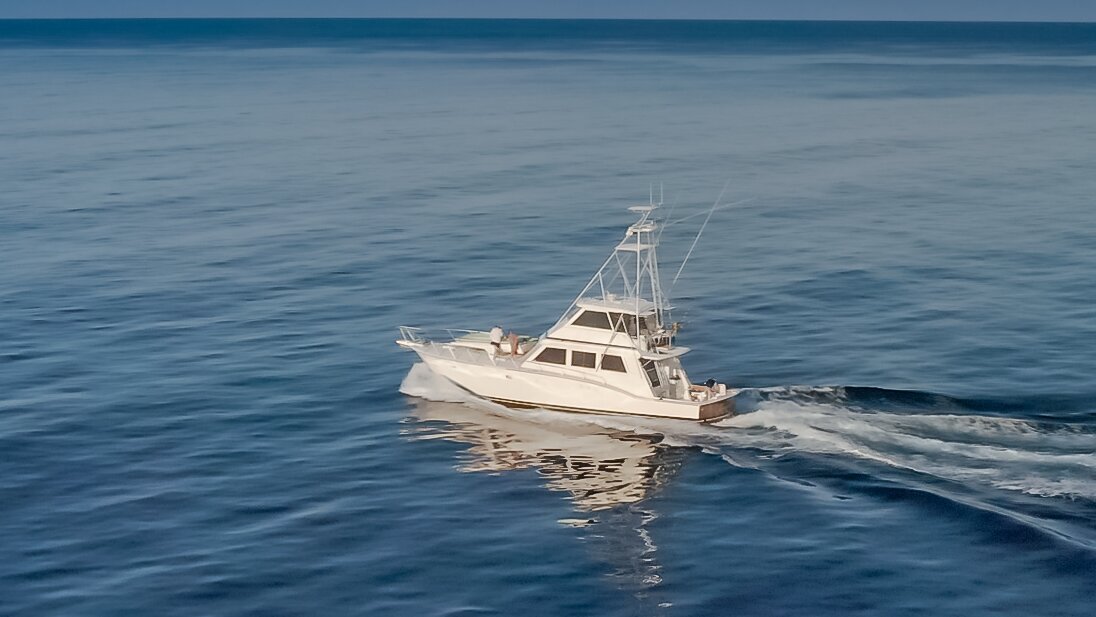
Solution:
(213, 229)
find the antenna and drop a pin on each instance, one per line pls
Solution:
(662, 227)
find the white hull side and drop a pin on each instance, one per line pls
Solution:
(524, 388)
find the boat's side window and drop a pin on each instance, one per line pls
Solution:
(612, 363)
(593, 319)
(552, 355)
(652, 373)
(583, 359)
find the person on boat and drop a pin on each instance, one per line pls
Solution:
(514, 348)
(707, 388)
(496, 339)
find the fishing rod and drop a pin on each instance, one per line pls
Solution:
(693, 216)
(697, 238)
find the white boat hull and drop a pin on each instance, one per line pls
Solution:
(524, 388)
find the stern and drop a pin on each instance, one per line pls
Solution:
(717, 410)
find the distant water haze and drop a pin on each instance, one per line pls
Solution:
(212, 230)
(873, 10)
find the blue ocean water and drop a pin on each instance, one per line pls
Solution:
(211, 230)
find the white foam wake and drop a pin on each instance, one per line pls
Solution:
(1001, 452)
(424, 383)
(1005, 453)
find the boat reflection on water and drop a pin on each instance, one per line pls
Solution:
(607, 473)
(601, 468)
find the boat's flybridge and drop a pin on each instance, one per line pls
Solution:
(612, 350)
(620, 315)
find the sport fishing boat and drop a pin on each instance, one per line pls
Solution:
(612, 351)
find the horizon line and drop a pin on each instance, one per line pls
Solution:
(465, 18)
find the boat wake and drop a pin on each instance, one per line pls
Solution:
(918, 440)
(1038, 458)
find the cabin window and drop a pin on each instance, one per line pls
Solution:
(623, 322)
(593, 319)
(583, 359)
(652, 373)
(553, 355)
(612, 363)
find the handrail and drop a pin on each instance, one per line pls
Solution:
(460, 353)
(417, 334)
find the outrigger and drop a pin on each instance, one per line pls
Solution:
(611, 351)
